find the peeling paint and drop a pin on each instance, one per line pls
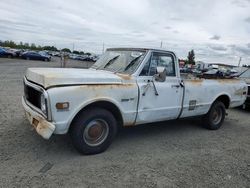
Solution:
(195, 81)
(42, 126)
(124, 76)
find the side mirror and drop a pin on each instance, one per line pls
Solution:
(161, 74)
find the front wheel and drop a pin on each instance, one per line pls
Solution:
(215, 116)
(93, 130)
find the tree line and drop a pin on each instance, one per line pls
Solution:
(32, 46)
(190, 60)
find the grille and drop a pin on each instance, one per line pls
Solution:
(32, 95)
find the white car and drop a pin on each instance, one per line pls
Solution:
(125, 87)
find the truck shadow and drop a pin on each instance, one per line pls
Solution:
(140, 133)
(156, 129)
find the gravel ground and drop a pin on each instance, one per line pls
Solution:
(169, 154)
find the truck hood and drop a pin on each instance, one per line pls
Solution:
(48, 77)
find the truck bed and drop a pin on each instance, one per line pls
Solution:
(199, 93)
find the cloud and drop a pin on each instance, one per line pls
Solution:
(215, 37)
(248, 45)
(243, 50)
(89, 24)
(241, 3)
(218, 47)
(247, 19)
(167, 27)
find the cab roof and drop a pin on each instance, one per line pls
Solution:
(140, 49)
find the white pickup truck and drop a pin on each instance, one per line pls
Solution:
(125, 87)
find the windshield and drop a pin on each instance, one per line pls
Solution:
(122, 61)
(245, 74)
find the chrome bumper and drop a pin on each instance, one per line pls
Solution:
(42, 126)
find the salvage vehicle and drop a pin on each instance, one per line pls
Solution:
(125, 87)
(246, 77)
(30, 55)
(6, 53)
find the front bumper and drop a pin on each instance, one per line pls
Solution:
(42, 126)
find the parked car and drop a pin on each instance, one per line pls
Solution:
(246, 77)
(36, 56)
(6, 53)
(125, 87)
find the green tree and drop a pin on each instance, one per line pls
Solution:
(26, 45)
(33, 46)
(88, 54)
(191, 58)
(51, 48)
(76, 52)
(66, 50)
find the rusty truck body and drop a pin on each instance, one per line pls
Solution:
(125, 87)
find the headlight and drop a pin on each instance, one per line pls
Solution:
(43, 104)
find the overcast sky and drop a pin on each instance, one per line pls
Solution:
(218, 30)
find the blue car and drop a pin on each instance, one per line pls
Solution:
(4, 53)
(36, 56)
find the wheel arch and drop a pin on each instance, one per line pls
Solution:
(225, 99)
(105, 104)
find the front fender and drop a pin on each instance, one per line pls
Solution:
(82, 96)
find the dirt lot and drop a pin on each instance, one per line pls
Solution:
(169, 154)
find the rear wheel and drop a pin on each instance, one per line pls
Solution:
(93, 130)
(215, 116)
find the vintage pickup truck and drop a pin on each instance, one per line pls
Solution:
(125, 87)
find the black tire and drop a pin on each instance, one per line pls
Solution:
(46, 59)
(80, 130)
(215, 116)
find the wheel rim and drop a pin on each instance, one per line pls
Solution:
(96, 132)
(217, 115)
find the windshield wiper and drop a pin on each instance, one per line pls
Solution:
(111, 61)
(131, 63)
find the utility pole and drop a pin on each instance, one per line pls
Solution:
(102, 48)
(239, 62)
(161, 45)
(73, 47)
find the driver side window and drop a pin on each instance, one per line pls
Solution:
(159, 60)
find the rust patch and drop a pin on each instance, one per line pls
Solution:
(124, 76)
(43, 128)
(195, 81)
(129, 124)
(110, 86)
(227, 80)
(42, 124)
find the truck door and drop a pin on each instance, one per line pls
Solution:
(159, 100)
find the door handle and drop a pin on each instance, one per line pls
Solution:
(177, 86)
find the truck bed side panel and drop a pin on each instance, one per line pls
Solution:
(201, 93)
